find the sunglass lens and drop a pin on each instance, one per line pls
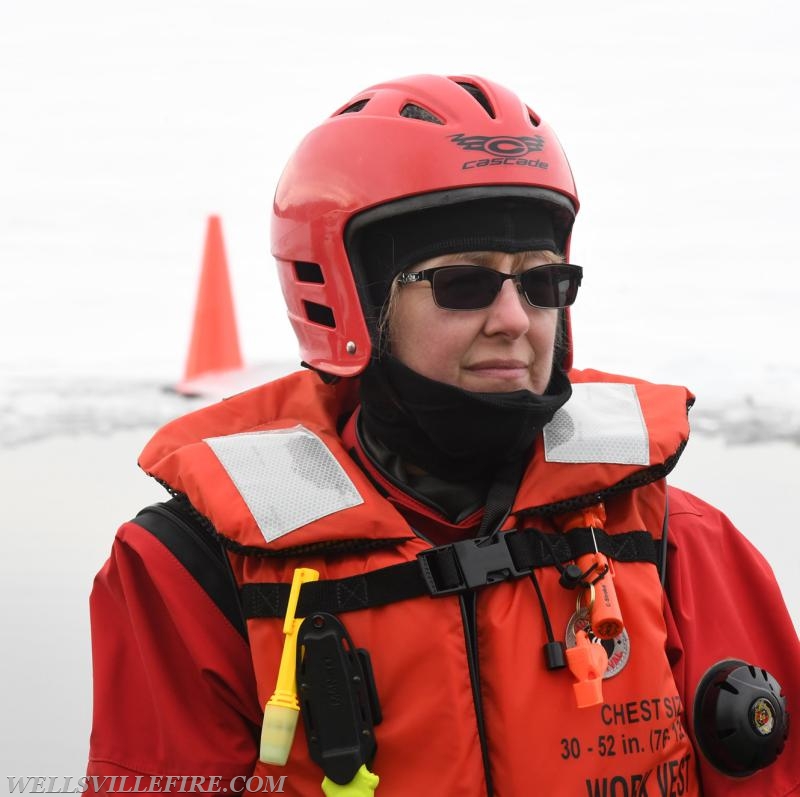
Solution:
(465, 287)
(551, 286)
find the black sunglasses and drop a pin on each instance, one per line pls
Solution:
(465, 287)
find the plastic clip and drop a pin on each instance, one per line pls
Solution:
(468, 564)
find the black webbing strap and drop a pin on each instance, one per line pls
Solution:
(447, 570)
(199, 551)
(663, 548)
(500, 497)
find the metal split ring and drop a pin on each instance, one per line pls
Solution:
(578, 607)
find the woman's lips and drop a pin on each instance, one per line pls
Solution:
(500, 369)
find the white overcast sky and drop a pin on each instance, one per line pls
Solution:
(124, 124)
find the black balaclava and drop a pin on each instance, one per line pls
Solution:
(452, 433)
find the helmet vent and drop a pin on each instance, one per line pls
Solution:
(479, 96)
(309, 272)
(535, 119)
(411, 111)
(355, 107)
(319, 314)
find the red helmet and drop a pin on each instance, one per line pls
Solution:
(396, 148)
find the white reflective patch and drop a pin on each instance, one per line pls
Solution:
(287, 477)
(602, 422)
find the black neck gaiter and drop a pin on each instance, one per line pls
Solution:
(453, 433)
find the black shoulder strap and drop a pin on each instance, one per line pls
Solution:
(661, 561)
(199, 550)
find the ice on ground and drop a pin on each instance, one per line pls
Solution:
(36, 407)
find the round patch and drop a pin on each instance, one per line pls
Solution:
(762, 716)
(618, 649)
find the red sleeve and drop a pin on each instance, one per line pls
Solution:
(724, 603)
(174, 690)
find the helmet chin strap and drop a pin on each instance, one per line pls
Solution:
(450, 432)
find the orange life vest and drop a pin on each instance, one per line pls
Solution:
(268, 469)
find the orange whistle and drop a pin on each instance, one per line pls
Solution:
(605, 617)
(587, 661)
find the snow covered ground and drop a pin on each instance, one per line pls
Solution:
(36, 407)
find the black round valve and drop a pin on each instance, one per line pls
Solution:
(740, 718)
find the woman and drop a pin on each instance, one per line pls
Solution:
(540, 614)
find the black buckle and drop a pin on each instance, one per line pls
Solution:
(474, 563)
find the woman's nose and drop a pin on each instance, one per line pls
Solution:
(507, 314)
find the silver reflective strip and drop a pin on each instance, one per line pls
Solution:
(287, 477)
(602, 422)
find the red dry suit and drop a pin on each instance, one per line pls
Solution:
(178, 691)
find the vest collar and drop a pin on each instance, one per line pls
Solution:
(269, 470)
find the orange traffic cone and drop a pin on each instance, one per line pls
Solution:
(215, 339)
